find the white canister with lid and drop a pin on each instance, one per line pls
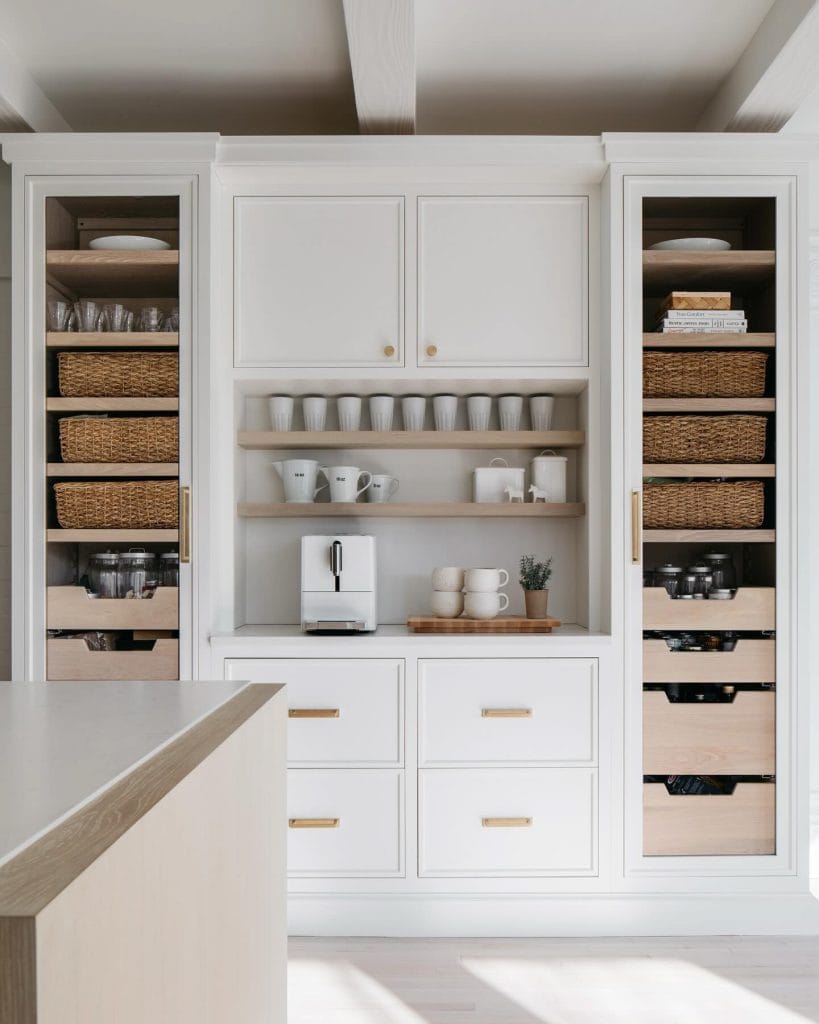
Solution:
(490, 482)
(549, 475)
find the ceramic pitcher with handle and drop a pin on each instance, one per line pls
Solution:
(300, 477)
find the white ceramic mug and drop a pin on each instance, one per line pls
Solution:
(478, 411)
(382, 488)
(413, 412)
(510, 410)
(381, 412)
(484, 605)
(448, 578)
(541, 408)
(300, 477)
(349, 412)
(445, 410)
(344, 482)
(485, 581)
(314, 408)
(281, 412)
(447, 604)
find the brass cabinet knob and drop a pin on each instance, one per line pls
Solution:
(432, 351)
(389, 351)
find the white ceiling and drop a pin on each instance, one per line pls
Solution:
(283, 66)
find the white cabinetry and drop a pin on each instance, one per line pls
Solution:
(318, 280)
(502, 280)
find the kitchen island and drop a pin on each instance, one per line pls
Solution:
(141, 852)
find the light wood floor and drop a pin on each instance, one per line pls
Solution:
(554, 981)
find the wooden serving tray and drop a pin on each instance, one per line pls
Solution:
(501, 624)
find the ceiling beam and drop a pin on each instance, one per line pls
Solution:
(23, 104)
(774, 75)
(381, 40)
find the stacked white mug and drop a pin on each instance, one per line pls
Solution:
(447, 596)
(483, 599)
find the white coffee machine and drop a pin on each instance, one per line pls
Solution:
(338, 584)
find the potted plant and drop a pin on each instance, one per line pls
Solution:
(533, 578)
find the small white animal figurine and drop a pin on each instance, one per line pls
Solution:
(537, 494)
(513, 494)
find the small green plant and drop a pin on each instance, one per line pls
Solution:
(534, 575)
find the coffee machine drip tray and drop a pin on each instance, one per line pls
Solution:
(335, 626)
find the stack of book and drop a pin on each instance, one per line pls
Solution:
(700, 313)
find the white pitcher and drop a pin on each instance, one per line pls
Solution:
(299, 477)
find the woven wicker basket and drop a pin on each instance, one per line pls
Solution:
(738, 505)
(704, 438)
(118, 505)
(125, 439)
(704, 374)
(119, 374)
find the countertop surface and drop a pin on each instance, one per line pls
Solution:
(62, 744)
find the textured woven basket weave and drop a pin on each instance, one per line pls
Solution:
(125, 439)
(738, 505)
(704, 374)
(119, 374)
(704, 438)
(118, 505)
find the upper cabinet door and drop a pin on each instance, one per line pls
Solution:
(319, 281)
(503, 281)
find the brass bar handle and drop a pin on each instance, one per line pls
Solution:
(506, 822)
(313, 822)
(313, 712)
(636, 526)
(184, 524)
(506, 712)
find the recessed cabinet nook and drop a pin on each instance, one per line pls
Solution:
(644, 767)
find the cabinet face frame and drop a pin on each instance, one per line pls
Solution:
(29, 508)
(790, 858)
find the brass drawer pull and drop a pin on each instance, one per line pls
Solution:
(313, 712)
(636, 526)
(506, 712)
(389, 351)
(432, 351)
(506, 822)
(184, 524)
(313, 822)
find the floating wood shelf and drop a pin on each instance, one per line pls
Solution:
(110, 536)
(657, 340)
(709, 404)
(705, 469)
(424, 439)
(105, 469)
(112, 339)
(430, 510)
(112, 405)
(709, 536)
(127, 273)
(666, 270)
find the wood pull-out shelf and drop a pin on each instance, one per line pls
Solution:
(70, 659)
(740, 824)
(72, 608)
(752, 608)
(751, 661)
(710, 739)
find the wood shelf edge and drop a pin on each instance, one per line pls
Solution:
(262, 440)
(431, 510)
(764, 470)
(112, 469)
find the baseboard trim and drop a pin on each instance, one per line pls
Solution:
(415, 916)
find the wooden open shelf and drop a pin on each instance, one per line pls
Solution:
(58, 536)
(754, 470)
(709, 536)
(657, 340)
(709, 404)
(112, 339)
(128, 273)
(112, 405)
(105, 469)
(430, 510)
(425, 439)
(735, 269)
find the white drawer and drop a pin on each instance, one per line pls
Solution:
(510, 710)
(507, 821)
(342, 710)
(345, 822)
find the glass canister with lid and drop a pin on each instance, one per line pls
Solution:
(103, 577)
(138, 573)
(169, 569)
(703, 579)
(723, 572)
(668, 576)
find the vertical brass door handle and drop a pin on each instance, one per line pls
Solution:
(636, 526)
(184, 524)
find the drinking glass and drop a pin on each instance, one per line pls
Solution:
(116, 316)
(172, 320)
(150, 319)
(413, 412)
(478, 411)
(59, 314)
(381, 412)
(510, 409)
(89, 315)
(444, 411)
